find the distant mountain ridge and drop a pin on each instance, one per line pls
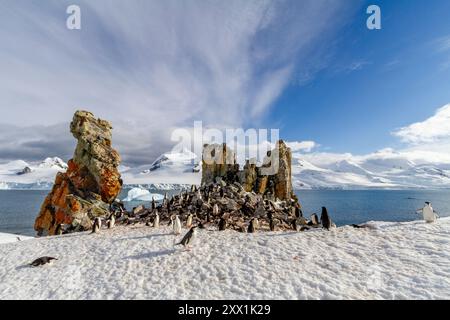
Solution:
(174, 170)
(20, 174)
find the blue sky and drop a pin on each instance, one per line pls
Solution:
(310, 68)
(400, 76)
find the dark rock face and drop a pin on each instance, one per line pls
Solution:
(25, 170)
(273, 177)
(91, 182)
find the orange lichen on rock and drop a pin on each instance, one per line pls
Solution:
(91, 182)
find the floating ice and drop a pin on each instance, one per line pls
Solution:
(140, 194)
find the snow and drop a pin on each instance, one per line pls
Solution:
(4, 186)
(382, 172)
(8, 237)
(140, 194)
(54, 162)
(171, 170)
(384, 261)
(42, 174)
(385, 169)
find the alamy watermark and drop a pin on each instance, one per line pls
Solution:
(73, 21)
(258, 146)
(374, 20)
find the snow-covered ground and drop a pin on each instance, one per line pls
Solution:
(8, 237)
(386, 261)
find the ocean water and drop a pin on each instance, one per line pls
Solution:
(18, 208)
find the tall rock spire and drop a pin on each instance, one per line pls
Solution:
(91, 182)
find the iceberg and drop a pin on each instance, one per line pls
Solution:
(4, 186)
(140, 194)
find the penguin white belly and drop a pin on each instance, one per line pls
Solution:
(429, 215)
(177, 226)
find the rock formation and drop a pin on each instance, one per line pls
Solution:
(219, 161)
(91, 182)
(273, 177)
(248, 200)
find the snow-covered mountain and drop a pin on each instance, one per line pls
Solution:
(168, 171)
(175, 170)
(37, 175)
(371, 172)
(380, 170)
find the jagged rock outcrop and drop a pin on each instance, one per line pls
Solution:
(91, 182)
(273, 177)
(219, 161)
(282, 180)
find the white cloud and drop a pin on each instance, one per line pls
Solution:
(155, 64)
(433, 129)
(426, 142)
(306, 146)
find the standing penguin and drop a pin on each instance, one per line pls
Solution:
(314, 219)
(298, 212)
(111, 221)
(177, 225)
(215, 209)
(188, 237)
(325, 219)
(156, 221)
(181, 199)
(189, 220)
(294, 225)
(253, 226)
(428, 213)
(153, 204)
(271, 224)
(222, 224)
(97, 225)
(59, 229)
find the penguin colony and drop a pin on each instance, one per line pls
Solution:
(221, 206)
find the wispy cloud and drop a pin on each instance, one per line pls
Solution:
(442, 44)
(149, 66)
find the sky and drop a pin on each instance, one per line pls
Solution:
(310, 68)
